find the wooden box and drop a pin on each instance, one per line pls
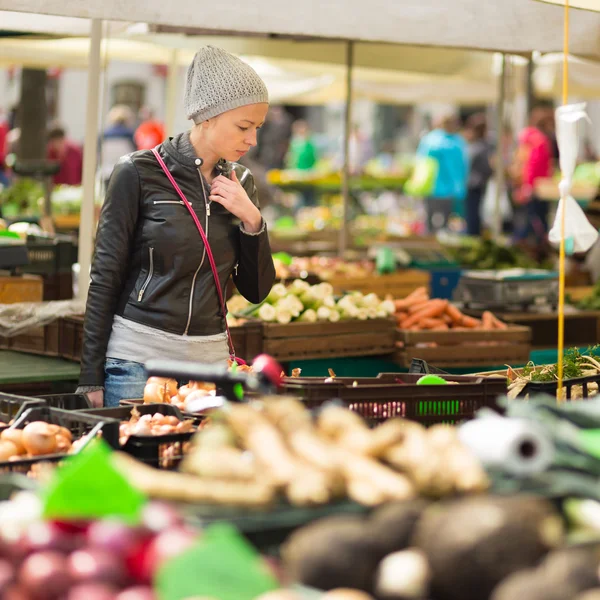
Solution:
(299, 341)
(39, 340)
(23, 288)
(464, 348)
(399, 284)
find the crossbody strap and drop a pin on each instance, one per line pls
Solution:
(209, 253)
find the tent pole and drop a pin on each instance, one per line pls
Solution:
(86, 226)
(171, 99)
(500, 183)
(343, 242)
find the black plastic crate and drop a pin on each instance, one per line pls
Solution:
(78, 423)
(150, 449)
(47, 257)
(551, 387)
(66, 401)
(12, 405)
(391, 395)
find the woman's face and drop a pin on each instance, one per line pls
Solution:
(231, 134)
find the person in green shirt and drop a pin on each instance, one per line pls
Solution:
(302, 153)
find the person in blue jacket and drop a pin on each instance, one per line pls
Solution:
(449, 149)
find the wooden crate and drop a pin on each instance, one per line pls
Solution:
(39, 340)
(464, 348)
(71, 337)
(23, 288)
(298, 341)
(399, 284)
(582, 327)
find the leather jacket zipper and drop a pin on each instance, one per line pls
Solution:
(191, 303)
(149, 277)
(168, 202)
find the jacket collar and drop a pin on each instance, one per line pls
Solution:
(222, 166)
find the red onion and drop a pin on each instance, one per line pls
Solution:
(7, 574)
(44, 575)
(165, 545)
(137, 593)
(114, 536)
(93, 591)
(157, 516)
(41, 536)
(95, 564)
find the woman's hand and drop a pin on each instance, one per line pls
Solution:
(230, 194)
(96, 398)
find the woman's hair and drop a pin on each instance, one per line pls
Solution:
(121, 114)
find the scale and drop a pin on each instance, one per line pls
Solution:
(508, 289)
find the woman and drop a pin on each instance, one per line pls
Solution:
(152, 292)
(117, 140)
(480, 152)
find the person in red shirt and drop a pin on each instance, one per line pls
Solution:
(68, 154)
(4, 129)
(150, 132)
(534, 161)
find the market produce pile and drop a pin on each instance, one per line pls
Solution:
(35, 439)
(323, 267)
(590, 302)
(575, 364)
(256, 454)
(103, 559)
(301, 302)
(418, 312)
(486, 254)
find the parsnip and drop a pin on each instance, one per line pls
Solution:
(346, 428)
(220, 463)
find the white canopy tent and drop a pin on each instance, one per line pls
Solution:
(510, 26)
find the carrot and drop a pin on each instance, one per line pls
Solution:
(487, 320)
(470, 322)
(442, 327)
(434, 308)
(454, 314)
(446, 318)
(498, 324)
(419, 295)
(429, 323)
(418, 306)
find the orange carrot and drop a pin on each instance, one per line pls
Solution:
(418, 306)
(434, 308)
(442, 327)
(454, 314)
(498, 324)
(470, 322)
(487, 320)
(429, 323)
(419, 295)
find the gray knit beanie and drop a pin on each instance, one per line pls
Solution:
(217, 82)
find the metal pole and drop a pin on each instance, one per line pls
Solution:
(347, 131)
(500, 182)
(87, 220)
(172, 88)
(529, 84)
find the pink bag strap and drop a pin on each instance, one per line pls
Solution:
(209, 253)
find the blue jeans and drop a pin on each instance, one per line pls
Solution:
(123, 380)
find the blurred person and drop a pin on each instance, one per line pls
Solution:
(68, 154)
(480, 171)
(302, 152)
(4, 129)
(274, 139)
(449, 150)
(150, 131)
(117, 139)
(533, 161)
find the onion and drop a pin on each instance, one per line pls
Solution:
(157, 516)
(170, 384)
(112, 535)
(141, 428)
(65, 433)
(39, 438)
(96, 564)
(165, 545)
(15, 592)
(93, 591)
(346, 594)
(139, 592)
(63, 444)
(170, 420)
(8, 450)
(44, 575)
(7, 574)
(15, 436)
(44, 536)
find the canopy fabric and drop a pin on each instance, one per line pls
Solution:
(518, 26)
(51, 25)
(592, 5)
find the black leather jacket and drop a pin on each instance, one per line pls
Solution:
(148, 265)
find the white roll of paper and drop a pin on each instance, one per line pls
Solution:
(515, 446)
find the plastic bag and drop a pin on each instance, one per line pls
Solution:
(580, 234)
(422, 180)
(22, 316)
(488, 206)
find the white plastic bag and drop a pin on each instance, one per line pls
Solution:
(579, 234)
(488, 206)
